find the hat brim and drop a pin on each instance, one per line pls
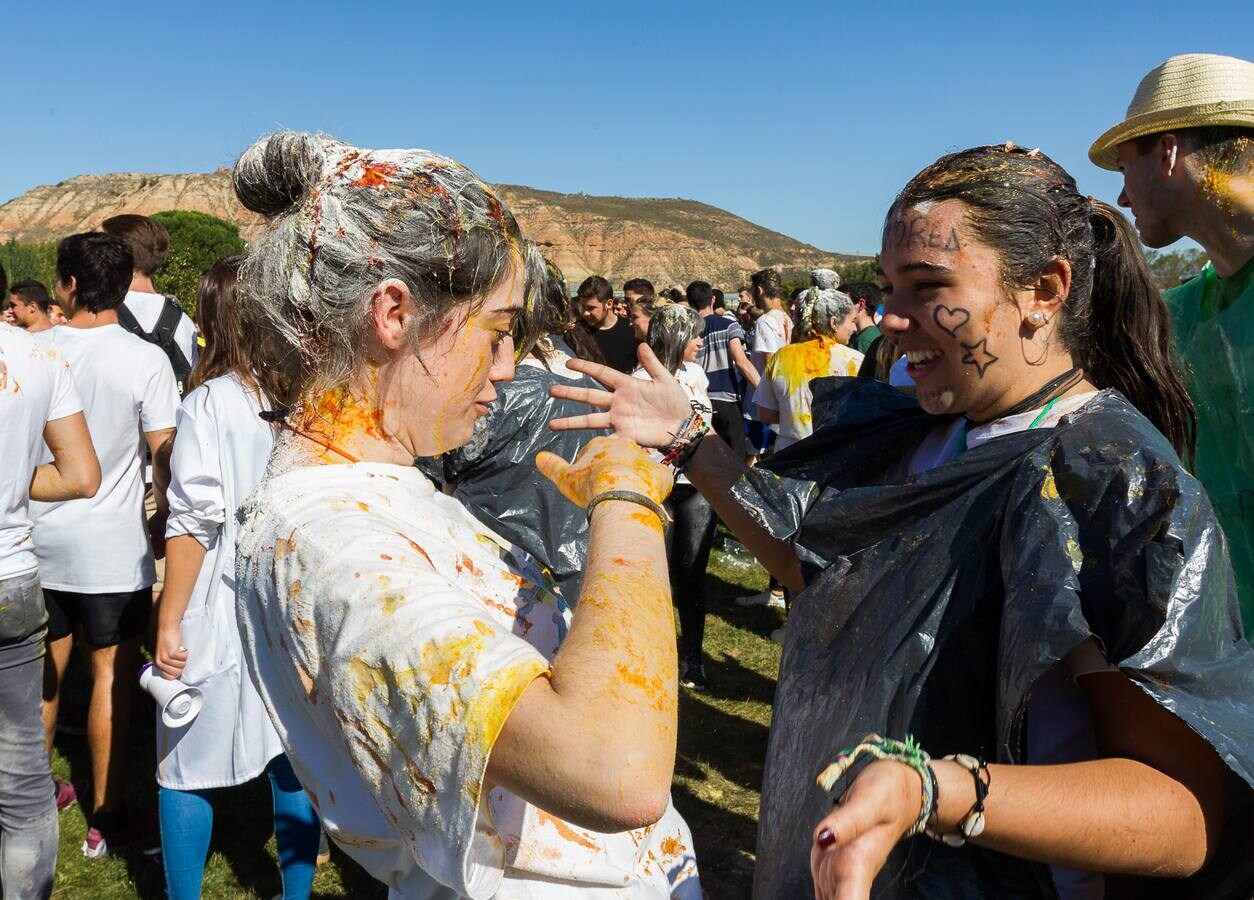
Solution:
(1105, 150)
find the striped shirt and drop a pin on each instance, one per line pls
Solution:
(715, 357)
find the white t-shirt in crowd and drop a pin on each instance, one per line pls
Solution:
(772, 331)
(146, 308)
(785, 385)
(35, 389)
(390, 634)
(100, 545)
(219, 455)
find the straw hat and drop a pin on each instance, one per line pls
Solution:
(1189, 91)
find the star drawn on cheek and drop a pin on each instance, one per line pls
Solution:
(983, 360)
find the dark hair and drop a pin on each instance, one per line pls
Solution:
(4, 282)
(149, 240)
(1026, 207)
(769, 281)
(1221, 147)
(229, 347)
(101, 266)
(548, 315)
(719, 302)
(32, 291)
(863, 291)
(638, 286)
(595, 286)
(700, 295)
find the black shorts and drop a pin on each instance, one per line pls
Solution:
(729, 424)
(107, 619)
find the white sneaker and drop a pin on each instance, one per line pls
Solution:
(766, 598)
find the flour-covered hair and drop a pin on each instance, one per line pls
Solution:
(340, 221)
(671, 327)
(819, 306)
(824, 278)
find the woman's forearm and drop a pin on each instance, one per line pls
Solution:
(184, 557)
(714, 470)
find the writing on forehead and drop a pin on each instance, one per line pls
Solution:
(921, 233)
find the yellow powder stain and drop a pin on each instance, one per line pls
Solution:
(448, 661)
(1049, 489)
(390, 602)
(362, 506)
(565, 831)
(294, 589)
(799, 364)
(1075, 554)
(654, 687)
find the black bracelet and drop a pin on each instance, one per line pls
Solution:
(629, 497)
(972, 824)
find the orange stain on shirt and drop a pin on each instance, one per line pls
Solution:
(566, 832)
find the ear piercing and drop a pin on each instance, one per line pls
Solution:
(1036, 319)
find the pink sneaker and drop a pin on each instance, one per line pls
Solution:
(95, 845)
(67, 793)
(100, 843)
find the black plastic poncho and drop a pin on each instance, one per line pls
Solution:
(497, 479)
(933, 605)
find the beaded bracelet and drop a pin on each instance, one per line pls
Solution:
(907, 752)
(686, 438)
(972, 824)
(629, 497)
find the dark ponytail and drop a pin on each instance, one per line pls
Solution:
(1129, 333)
(1114, 322)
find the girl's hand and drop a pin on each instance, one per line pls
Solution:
(607, 464)
(647, 412)
(852, 843)
(170, 658)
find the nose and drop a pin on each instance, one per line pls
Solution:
(503, 361)
(893, 322)
(1123, 199)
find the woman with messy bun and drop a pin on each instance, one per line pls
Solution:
(460, 732)
(1014, 655)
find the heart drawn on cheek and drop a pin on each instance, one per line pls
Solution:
(950, 320)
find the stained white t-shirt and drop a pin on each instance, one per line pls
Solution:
(772, 331)
(220, 452)
(100, 545)
(390, 634)
(147, 309)
(35, 389)
(785, 385)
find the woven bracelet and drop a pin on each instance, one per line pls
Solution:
(629, 497)
(972, 824)
(906, 752)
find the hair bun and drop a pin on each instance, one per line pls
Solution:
(278, 171)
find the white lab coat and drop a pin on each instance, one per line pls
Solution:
(220, 452)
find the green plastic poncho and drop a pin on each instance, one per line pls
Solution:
(1214, 332)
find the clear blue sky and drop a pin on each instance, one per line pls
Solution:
(804, 117)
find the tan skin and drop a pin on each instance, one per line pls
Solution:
(1153, 802)
(109, 711)
(26, 314)
(1172, 195)
(561, 747)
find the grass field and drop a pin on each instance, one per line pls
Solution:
(722, 742)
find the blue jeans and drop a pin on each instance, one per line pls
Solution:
(187, 823)
(28, 810)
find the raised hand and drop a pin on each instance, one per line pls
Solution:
(607, 464)
(851, 845)
(647, 412)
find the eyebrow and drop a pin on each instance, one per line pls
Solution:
(921, 267)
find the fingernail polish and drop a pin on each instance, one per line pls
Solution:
(826, 838)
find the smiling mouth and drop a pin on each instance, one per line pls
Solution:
(921, 362)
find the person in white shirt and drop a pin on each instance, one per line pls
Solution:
(461, 733)
(41, 412)
(772, 331)
(220, 453)
(674, 336)
(95, 559)
(783, 396)
(147, 312)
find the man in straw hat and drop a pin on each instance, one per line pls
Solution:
(1186, 150)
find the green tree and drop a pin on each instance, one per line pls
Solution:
(197, 241)
(38, 261)
(1170, 268)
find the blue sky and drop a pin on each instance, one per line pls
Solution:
(803, 117)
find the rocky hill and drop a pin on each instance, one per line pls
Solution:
(668, 241)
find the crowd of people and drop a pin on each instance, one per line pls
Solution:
(422, 514)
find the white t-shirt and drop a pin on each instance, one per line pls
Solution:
(35, 389)
(390, 635)
(101, 545)
(772, 331)
(146, 308)
(785, 385)
(219, 456)
(696, 385)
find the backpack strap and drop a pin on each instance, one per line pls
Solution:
(163, 336)
(127, 320)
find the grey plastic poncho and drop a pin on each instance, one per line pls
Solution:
(935, 603)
